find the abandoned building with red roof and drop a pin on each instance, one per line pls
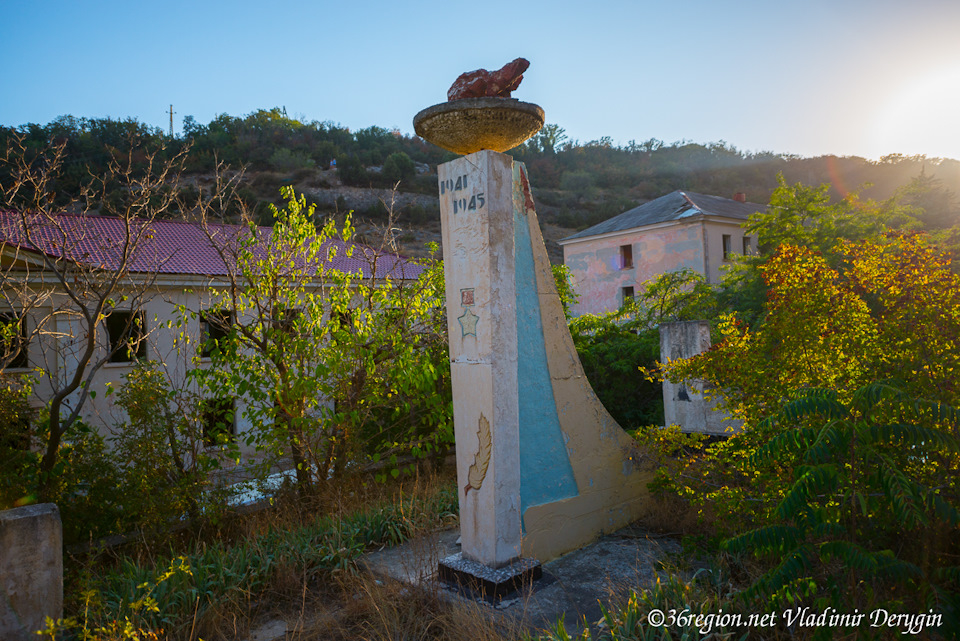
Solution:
(161, 267)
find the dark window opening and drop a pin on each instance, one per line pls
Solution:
(219, 426)
(284, 319)
(626, 256)
(16, 436)
(128, 335)
(727, 246)
(747, 247)
(214, 327)
(627, 293)
(13, 341)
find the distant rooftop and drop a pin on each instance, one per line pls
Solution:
(674, 206)
(168, 247)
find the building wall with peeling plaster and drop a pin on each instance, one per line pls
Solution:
(598, 273)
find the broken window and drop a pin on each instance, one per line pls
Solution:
(13, 341)
(626, 256)
(219, 426)
(127, 332)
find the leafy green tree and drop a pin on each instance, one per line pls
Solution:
(16, 439)
(351, 171)
(842, 472)
(548, 140)
(619, 348)
(334, 366)
(804, 216)
(82, 294)
(398, 168)
(162, 463)
(287, 161)
(568, 295)
(580, 182)
(859, 484)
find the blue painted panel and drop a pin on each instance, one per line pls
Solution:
(545, 472)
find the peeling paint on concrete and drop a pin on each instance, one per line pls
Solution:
(562, 471)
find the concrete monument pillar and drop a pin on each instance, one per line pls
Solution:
(476, 204)
(542, 468)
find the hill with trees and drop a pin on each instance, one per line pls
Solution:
(577, 184)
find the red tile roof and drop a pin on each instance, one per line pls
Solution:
(167, 247)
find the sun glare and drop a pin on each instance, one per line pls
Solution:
(922, 117)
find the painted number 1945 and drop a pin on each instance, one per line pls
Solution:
(476, 202)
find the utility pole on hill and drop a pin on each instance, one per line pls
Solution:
(171, 120)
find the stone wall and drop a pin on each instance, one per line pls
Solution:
(31, 570)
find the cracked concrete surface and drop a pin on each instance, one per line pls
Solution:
(573, 586)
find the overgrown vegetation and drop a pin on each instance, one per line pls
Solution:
(617, 349)
(338, 349)
(218, 586)
(341, 364)
(842, 482)
(837, 346)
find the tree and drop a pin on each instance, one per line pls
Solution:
(351, 171)
(849, 451)
(859, 483)
(336, 348)
(548, 140)
(804, 216)
(69, 289)
(398, 168)
(618, 348)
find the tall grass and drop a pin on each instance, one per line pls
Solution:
(196, 592)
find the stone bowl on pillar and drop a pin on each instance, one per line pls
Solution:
(474, 124)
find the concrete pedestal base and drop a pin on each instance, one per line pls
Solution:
(487, 582)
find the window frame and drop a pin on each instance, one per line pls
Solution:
(130, 328)
(221, 329)
(726, 243)
(22, 360)
(626, 256)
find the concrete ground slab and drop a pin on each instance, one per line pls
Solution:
(572, 587)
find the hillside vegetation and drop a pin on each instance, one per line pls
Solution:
(577, 184)
(837, 345)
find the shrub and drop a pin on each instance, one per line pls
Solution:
(288, 162)
(398, 168)
(162, 464)
(17, 460)
(851, 472)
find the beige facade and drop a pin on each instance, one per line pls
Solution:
(614, 260)
(173, 347)
(167, 282)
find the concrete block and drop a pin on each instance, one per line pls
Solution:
(31, 570)
(683, 401)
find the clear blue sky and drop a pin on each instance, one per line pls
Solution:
(846, 77)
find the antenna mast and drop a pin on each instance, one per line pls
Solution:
(171, 120)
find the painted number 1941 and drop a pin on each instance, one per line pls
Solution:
(461, 204)
(450, 184)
